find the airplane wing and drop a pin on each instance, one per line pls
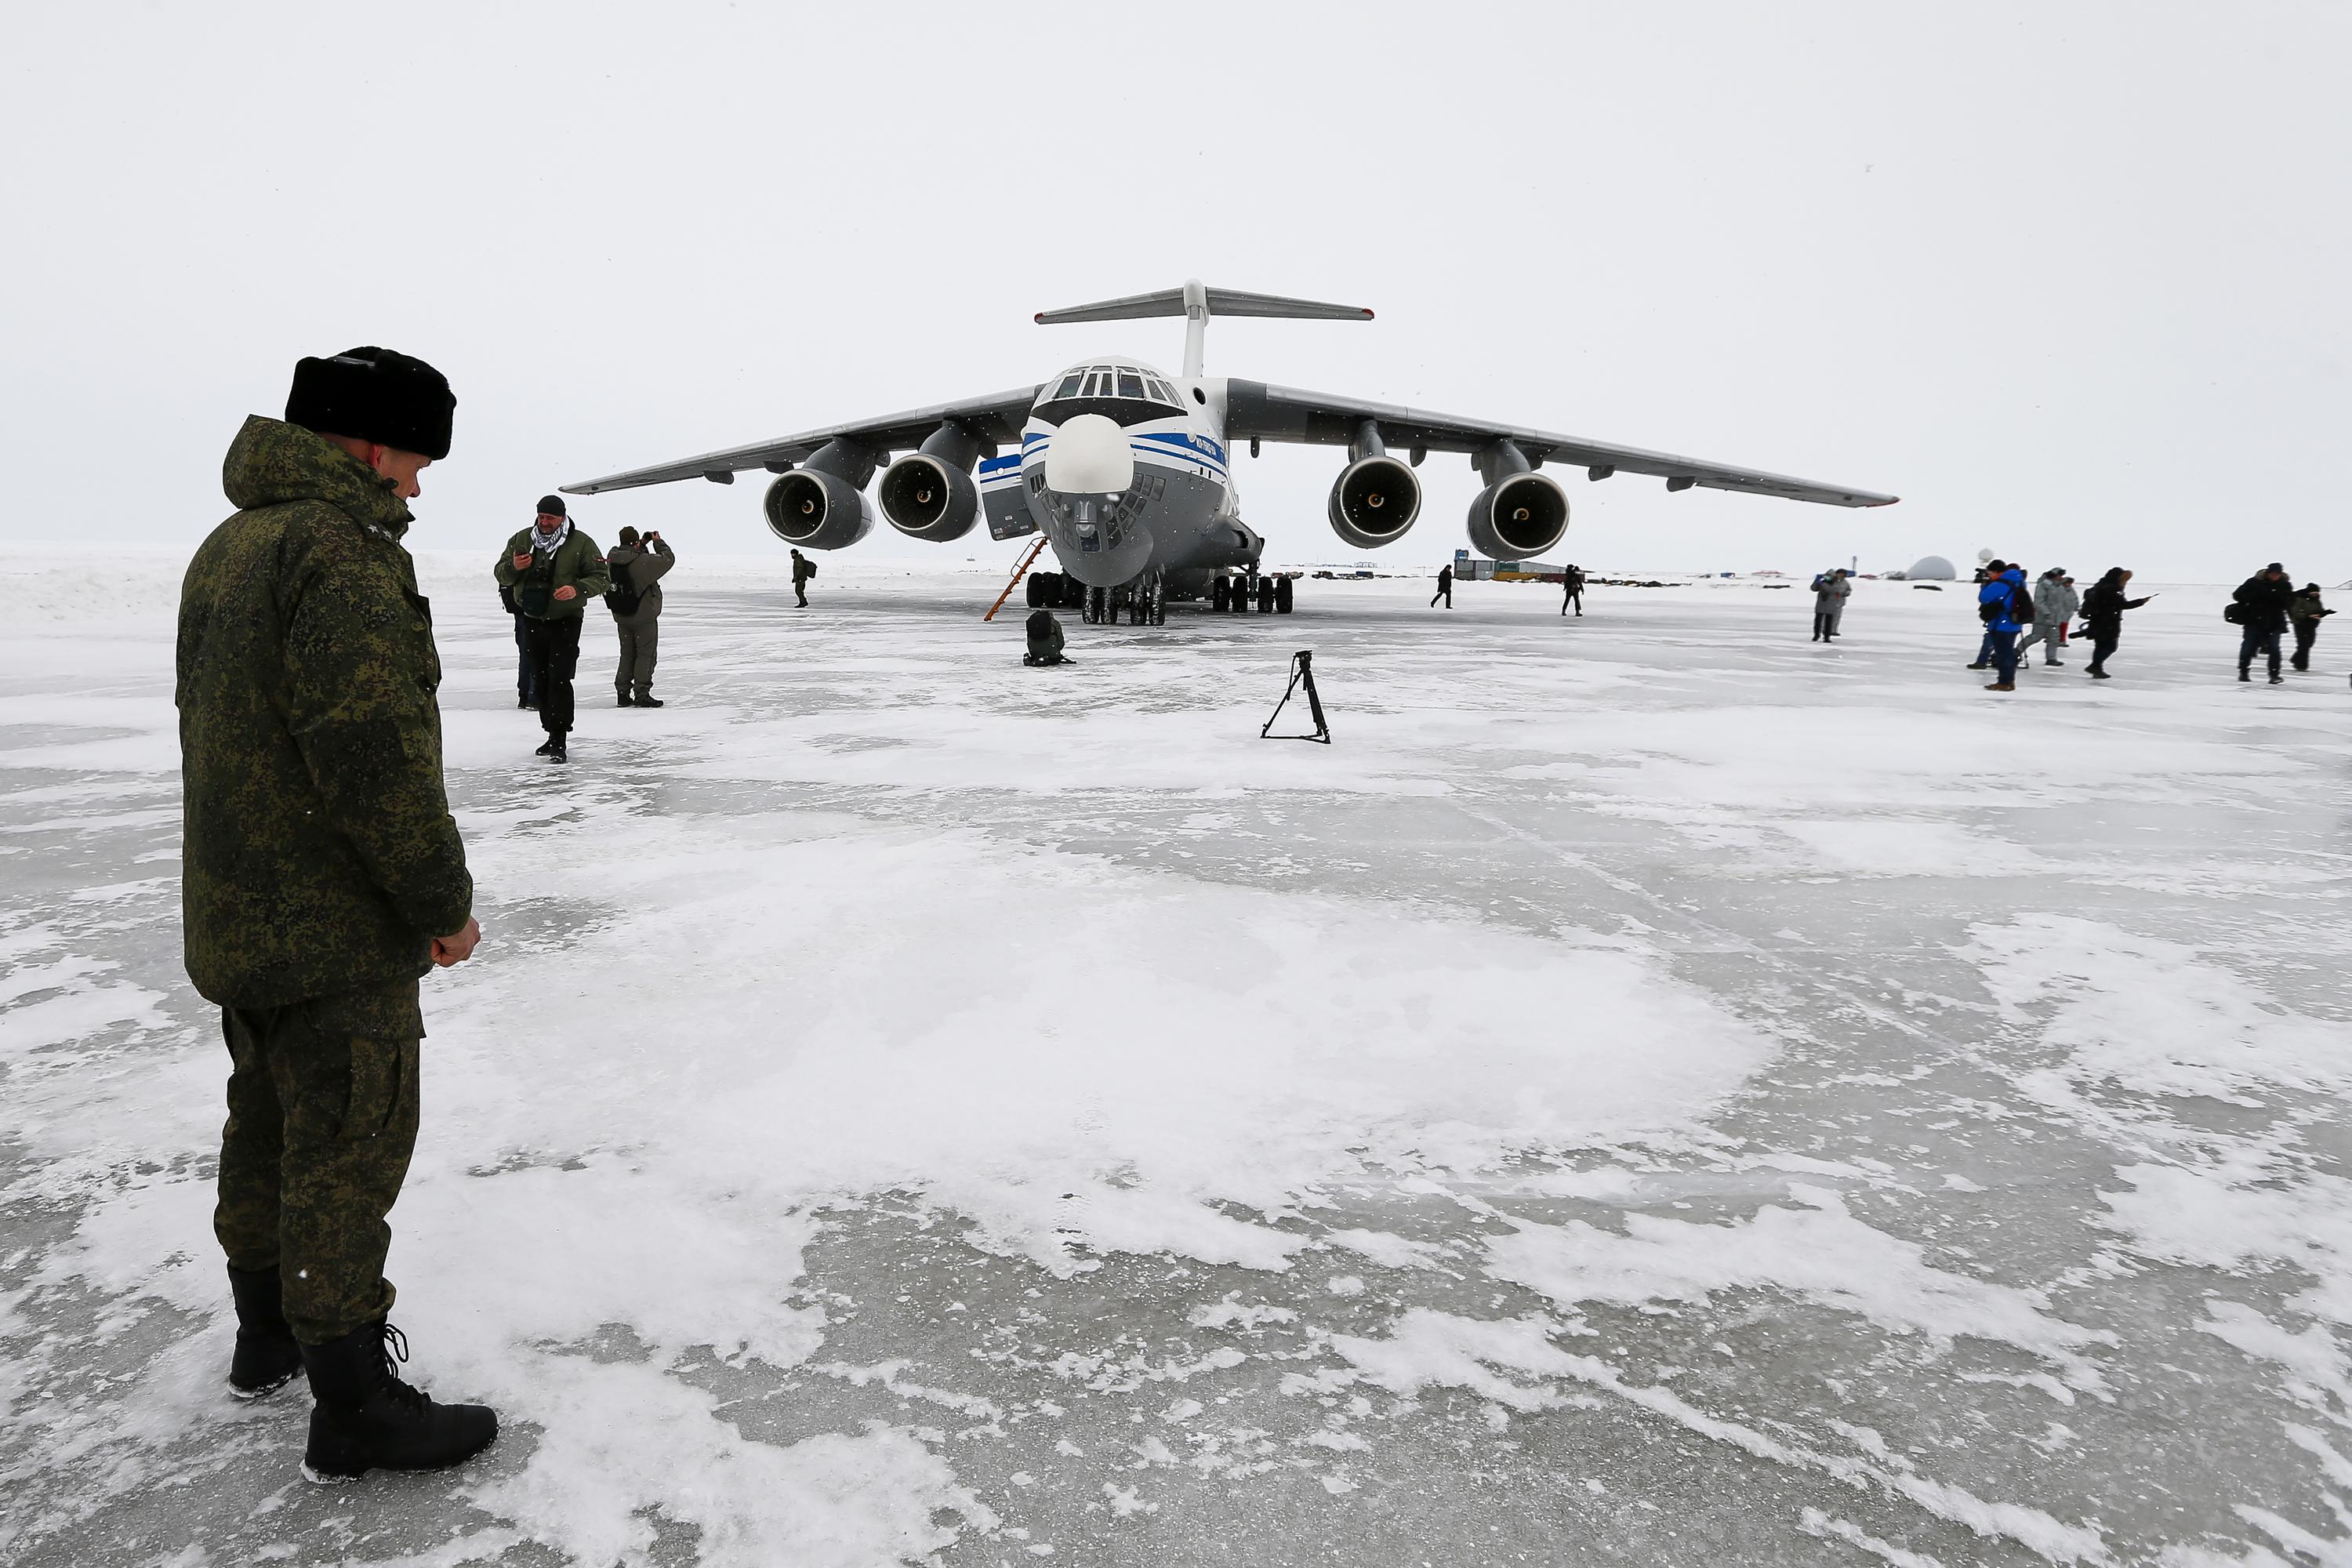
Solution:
(994, 419)
(1257, 411)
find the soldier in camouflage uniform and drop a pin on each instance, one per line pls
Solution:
(322, 876)
(555, 570)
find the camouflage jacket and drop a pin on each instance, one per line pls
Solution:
(577, 561)
(319, 855)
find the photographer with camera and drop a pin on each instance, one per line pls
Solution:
(636, 601)
(2306, 614)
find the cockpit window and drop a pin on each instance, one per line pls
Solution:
(1128, 394)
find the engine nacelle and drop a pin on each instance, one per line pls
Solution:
(817, 511)
(1519, 517)
(1374, 502)
(923, 497)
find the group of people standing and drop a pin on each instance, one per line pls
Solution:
(546, 576)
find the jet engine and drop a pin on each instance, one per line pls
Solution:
(1517, 517)
(817, 511)
(929, 494)
(1374, 502)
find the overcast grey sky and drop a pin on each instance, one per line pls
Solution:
(2071, 278)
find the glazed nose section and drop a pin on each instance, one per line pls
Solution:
(1089, 456)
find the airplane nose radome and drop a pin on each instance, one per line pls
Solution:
(1089, 456)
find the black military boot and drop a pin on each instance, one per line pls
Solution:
(649, 701)
(368, 1419)
(547, 748)
(267, 1356)
(556, 750)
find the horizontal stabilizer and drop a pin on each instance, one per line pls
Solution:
(1219, 301)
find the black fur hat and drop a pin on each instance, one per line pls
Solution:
(375, 394)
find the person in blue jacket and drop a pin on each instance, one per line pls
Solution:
(1987, 572)
(2000, 603)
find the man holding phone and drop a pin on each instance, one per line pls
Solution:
(555, 570)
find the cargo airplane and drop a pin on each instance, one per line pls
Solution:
(1127, 472)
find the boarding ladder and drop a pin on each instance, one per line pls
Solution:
(1018, 573)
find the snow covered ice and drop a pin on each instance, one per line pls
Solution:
(1656, 1091)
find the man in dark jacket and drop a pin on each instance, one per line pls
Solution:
(1444, 588)
(803, 569)
(1571, 584)
(636, 601)
(2102, 617)
(2306, 614)
(555, 570)
(321, 877)
(2265, 598)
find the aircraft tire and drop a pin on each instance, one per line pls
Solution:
(1218, 591)
(1282, 595)
(1037, 590)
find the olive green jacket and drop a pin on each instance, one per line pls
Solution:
(317, 856)
(577, 561)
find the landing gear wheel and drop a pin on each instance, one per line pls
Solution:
(1221, 596)
(1040, 585)
(1265, 596)
(1159, 604)
(1098, 609)
(1282, 595)
(1241, 595)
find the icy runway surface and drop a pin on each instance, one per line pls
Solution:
(1656, 1091)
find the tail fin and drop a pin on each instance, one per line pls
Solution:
(1198, 302)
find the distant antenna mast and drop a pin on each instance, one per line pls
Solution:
(1196, 302)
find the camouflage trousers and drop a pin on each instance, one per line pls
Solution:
(323, 1108)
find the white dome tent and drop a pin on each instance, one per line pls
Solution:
(1932, 569)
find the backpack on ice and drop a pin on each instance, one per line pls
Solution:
(2234, 614)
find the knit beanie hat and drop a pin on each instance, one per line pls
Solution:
(375, 394)
(551, 506)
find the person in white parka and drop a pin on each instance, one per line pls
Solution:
(2054, 604)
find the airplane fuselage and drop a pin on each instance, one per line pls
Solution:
(1125, 471)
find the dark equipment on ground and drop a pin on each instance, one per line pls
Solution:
(1302, 673)
(1045, 637)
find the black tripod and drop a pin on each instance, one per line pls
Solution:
(1302, 673)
